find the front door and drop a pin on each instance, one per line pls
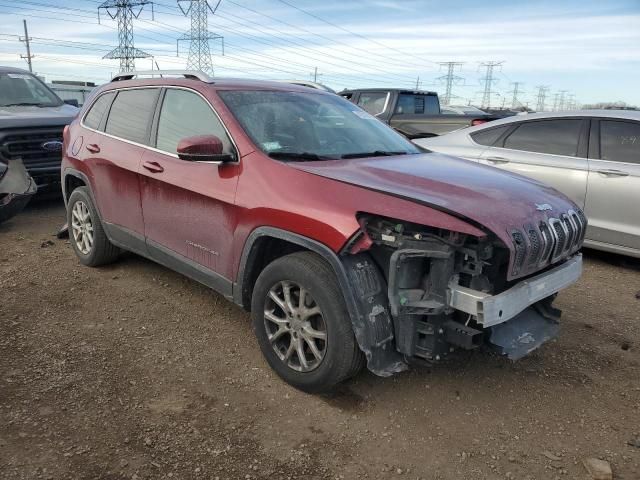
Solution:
(188, 206)
(614, 185)
(552, 151)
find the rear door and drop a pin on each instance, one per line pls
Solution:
(552, 151)
(614, 183)
(114, 152)
(188, 206)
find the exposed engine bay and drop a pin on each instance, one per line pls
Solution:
(438, 290)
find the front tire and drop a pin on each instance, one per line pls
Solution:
(86, 234)
(302, 324)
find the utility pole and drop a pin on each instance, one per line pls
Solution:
(542, 93)
(418, 83)
(449, 79)
(199, 36)
(488, 82)
(562, 105)
(122, 10)
(514, 99)
(26, 40)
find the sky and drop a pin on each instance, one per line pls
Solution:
(589, 48)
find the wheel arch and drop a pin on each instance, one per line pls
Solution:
(368, 308)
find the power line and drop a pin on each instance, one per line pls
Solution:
(126, 51)
(488, 82)
(449, 79)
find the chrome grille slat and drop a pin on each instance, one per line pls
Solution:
(549, 241)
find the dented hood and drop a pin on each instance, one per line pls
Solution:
(488, 197)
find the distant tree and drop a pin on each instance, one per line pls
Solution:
(619, 105)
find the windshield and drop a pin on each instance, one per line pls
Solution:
(18, 89)
(301, 126)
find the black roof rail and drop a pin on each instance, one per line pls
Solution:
(192, 74)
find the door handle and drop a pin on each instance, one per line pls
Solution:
(498, 159)
(93, 148)
(611, 172)
(153, 167)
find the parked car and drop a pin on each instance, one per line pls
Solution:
(31, 121)
(413, 113)
(592, 156)
(16, 188)
(345, 241)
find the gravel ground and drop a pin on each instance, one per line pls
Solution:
(133, 371)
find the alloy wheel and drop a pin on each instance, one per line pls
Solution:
(295, 326)
(82, 227)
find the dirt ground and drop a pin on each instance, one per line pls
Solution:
(133, 371)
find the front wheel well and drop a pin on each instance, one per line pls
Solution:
(263, 251)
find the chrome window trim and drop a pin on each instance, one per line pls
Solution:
(149, 147)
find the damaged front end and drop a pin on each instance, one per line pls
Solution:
(16, 188)
(423, 292)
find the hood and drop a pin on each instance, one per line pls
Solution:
(487, 197)
(32, 116)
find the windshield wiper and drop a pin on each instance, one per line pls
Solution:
(298, 156)
(376, 153)
(26, 104)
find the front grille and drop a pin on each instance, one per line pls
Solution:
(27, 145)
(552, 240)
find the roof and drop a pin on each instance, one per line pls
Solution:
(12, 70)
(399, 90)
(622, 114)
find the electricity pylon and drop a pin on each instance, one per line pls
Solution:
(123, 11)
(515, 103)
(542, 94)
(449, 79)
(488, 82)
(199, 36)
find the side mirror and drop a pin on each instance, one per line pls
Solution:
(72, 101)
(203, 148)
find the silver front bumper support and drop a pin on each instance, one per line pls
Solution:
(494, 309)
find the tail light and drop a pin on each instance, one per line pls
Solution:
(478, 121)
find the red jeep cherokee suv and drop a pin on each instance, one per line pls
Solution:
(348, 244)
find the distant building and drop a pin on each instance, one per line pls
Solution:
(72, 89)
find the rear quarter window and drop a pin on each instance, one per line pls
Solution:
(556, 137)
(93, 118)
(489, 136)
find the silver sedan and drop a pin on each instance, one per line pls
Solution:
(592, 156)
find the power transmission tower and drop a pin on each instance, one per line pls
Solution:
(561, 104)
(26, 40)
(123, 11)
(514, 99)
(199, 36)
(418, 83)
(449, 79)
(556, 97)
(542, 94)
(488, 82)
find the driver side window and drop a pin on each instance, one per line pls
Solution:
(185, 114)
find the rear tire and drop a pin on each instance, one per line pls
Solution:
(86, 234)
(321, 319)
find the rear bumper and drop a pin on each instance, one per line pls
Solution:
(491, 310)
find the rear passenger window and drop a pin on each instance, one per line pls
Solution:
(620, 141)
(131, 114)
(412, 104)
(93, 118)
(557, 137)
(489, 136)
(185, 114)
